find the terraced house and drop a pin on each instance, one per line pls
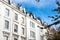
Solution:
(16, 24)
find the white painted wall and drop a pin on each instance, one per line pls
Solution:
(12, 21)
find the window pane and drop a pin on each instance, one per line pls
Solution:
(5, 37)
(42, 37)
(22, 20)
(23, 31)
(16, 16)
(22, 38)
(32, 34)
(6, 24)
(15, 39)
(7, 12)
(32, 24)
(16, 28)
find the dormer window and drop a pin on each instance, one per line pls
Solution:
(18, 7)
(23, 11)
(31, 15)
(8, 1)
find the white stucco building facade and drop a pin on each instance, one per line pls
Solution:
(16, 24)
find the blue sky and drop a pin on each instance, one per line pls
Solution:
(41, 9)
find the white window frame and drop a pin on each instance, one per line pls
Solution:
(32, 34)
(23, 20)
(5, 36)
(16, 16)
(32, 24)
(23, 32)
(7, 12)
(15, 28)
(6, 24)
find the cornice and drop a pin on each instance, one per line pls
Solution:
(9, 5)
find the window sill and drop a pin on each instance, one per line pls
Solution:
(23, 36)
(16, 21)
(15, 33)
(22, 24)
(6, 31)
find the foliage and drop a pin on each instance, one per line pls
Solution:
(56, 35)
(38, 0)
(56, 17)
